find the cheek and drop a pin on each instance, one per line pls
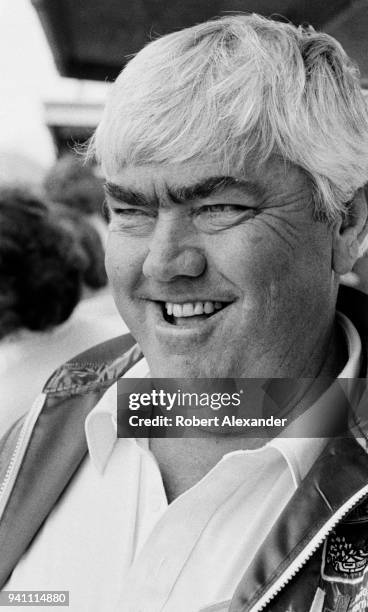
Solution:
(274, 280)
(251, 261)
(122, 264)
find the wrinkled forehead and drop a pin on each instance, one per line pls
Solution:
(161, 178)
(165, 177)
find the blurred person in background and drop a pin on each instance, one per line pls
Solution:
(96, 300)
(75, 184)
(45, 265)
(95, 276)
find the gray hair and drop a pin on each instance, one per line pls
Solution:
(237, 86)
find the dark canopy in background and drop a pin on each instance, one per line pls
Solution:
(91, 39)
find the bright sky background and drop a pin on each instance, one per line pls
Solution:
(28, 76)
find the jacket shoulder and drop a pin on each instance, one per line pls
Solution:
(96, 368)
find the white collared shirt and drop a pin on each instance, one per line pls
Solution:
(116, 544)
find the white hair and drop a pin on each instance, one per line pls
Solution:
(237, 86)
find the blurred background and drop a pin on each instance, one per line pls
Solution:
(57, 60)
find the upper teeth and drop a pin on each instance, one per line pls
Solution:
(191, 309)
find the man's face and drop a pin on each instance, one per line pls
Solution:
(218, 275)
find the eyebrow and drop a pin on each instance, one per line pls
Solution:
(129, 196)
(200, 190)
(212, 186)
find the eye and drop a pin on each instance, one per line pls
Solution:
(221, 216)
(221, 208)
(124, 217)
(130, 212)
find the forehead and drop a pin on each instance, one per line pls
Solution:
(157, 180)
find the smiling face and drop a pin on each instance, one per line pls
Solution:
(218, 275)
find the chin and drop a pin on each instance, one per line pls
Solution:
(179, 366)
(177, 370)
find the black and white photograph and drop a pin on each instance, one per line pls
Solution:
(184, 305)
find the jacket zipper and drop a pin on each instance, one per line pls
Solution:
(19, 450)
(300, 560)
(309, 550)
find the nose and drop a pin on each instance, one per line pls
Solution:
(171, 252)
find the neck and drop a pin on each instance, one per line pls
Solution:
(184, 461)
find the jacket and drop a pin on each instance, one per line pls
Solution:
(314, 559)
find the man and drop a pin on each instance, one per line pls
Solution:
(234, 154)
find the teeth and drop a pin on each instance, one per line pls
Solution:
(198, 308)
(209, 307)
(188, 310)
(178, 310)
(191, 309)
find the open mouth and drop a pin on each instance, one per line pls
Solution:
(190, 312)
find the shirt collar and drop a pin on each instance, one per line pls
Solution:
(299, 453)
(100, 424)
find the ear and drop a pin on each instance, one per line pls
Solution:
(349, 235)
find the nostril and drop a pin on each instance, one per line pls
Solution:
(165, 264)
